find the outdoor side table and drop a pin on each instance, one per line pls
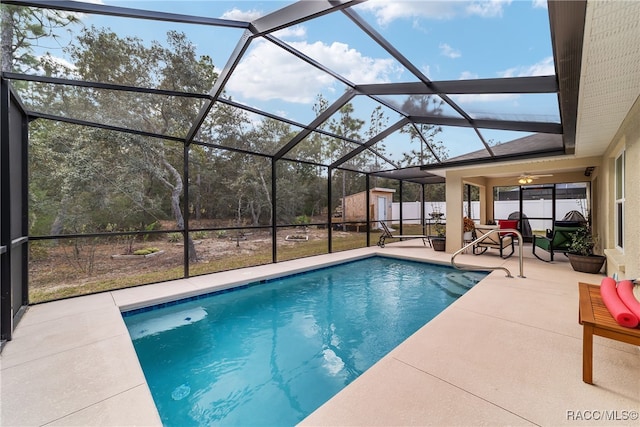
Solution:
(597, 320)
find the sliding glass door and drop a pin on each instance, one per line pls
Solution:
(538, 209)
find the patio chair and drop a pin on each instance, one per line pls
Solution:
(386, 234)
(557, 240)
(499, 241)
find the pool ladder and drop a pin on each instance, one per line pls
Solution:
(479, 239)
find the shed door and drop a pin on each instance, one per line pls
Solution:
(382, 208)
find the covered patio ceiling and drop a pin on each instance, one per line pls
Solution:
(413, 104)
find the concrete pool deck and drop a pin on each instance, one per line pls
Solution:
(508, 352)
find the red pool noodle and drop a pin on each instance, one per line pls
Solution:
(625, 292)
(614, 304)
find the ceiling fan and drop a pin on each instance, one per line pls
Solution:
(527, 178)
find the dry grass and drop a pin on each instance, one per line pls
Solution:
(66, 269)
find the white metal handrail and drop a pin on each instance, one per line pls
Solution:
(481, 238)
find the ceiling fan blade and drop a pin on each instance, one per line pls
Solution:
(534, 176)
(526, 178)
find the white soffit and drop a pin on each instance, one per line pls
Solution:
(610, 79)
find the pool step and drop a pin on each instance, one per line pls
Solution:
(453, 286)
(456, 284)
(466, 279)
(474, 276)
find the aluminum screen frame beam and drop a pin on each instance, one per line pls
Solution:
(297, 13)
(379, 137)
(323, 117)
(515, 125)
(377, 37)
(511, 85)
(567, 24)
(125, 12)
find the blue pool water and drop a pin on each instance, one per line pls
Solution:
(271, 353)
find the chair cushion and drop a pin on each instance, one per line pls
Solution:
(562, 236)
(508, 223)
(493, 240)
(481, 230)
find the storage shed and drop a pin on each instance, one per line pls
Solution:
(380, 203)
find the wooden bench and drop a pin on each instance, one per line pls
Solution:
(597, 320)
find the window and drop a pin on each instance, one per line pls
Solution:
(619, 203)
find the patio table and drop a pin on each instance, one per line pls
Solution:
(596, 319)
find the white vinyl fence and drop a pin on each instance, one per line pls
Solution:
(502, 209)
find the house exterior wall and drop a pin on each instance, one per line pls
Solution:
(454, 198)
(477, 175)
(624, 263)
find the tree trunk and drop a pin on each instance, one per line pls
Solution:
(344, 208)
(239, 211)
(58, 223)
(6, 39)
(267, 194)
(198, 199)
(255, 213)
(176, 192)
(56, 226)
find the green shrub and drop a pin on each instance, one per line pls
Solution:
(582, 241)
(151, 227)
(199, 235)
(174, 237)
(146, 251)
(38, 250)
(302, 220)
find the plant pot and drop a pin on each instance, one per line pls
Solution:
(438, 243)
(587, 263)
(467, 236)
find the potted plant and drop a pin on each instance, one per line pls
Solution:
(580, 252)
(436, 214)
(468, 226)
(439, 242)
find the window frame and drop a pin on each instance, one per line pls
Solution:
(619, 199)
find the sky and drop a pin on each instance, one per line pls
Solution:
(448, 40)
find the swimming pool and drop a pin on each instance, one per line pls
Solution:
(273, 352)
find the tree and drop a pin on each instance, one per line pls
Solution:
(377, 124)
(100, 55)
(347, 126)
(430, 150)
(22, 29)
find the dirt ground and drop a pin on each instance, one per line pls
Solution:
(58, 269)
